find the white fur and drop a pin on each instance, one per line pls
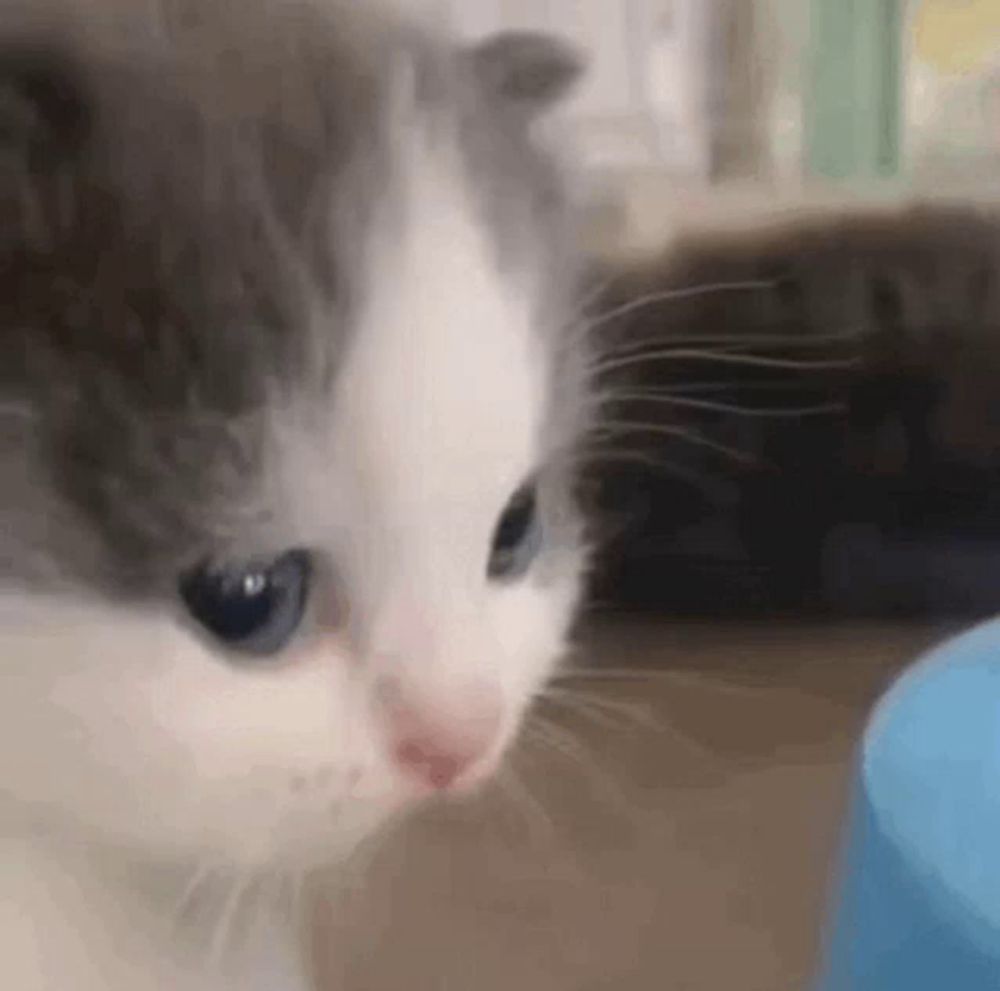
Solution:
(126, 739)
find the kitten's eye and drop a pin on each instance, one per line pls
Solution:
(518, 536)
(255, 610)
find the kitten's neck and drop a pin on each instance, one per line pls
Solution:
(74, 916)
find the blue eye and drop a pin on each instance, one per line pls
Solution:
(255, 610)
(518, 536)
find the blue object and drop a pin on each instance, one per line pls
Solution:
(919, 903)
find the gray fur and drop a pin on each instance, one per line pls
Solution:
(179, 184)
(529, 69)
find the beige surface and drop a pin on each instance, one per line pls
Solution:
(678, 839)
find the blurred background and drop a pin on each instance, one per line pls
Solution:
(789, 90)
(793, 93)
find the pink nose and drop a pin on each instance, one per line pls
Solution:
(435, 763)
(443, 752)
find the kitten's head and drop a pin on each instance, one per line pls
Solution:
(289, 410)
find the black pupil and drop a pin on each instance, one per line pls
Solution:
(513, 530)
(240, 604)
(516, 521)
(255, 609)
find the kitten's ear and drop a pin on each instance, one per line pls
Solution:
(44, 115)
(530, 70)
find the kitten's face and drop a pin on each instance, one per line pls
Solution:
(287, 425)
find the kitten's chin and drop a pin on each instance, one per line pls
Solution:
(321, 846)
(329, 835)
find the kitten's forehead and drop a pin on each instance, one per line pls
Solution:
(445, 378)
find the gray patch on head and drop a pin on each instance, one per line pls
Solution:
(188, 263)
(527, 69)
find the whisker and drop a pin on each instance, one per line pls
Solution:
(610, 674)
(719, 490)
(609, 428)
(629, 715)
(271, 900)
(578, 322)
(531, 810)
(647, 721)
(624, 456)
(682, 402)
(228, 917)
(200, 876)
(563, 742)
(700, 388)
(664, 676)
(676, 295)
(354, 871)
(586, 299)
(289, 897)
(722, 358)
(789, 340)
(580, 705)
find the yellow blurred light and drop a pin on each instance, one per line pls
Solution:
(957, 36)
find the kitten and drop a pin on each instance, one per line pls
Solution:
(822, 419)
(290, 405)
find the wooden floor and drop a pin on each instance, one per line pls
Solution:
(670, 830)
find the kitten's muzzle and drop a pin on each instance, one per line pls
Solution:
(442, 748)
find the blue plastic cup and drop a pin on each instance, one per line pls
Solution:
(919, 898)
